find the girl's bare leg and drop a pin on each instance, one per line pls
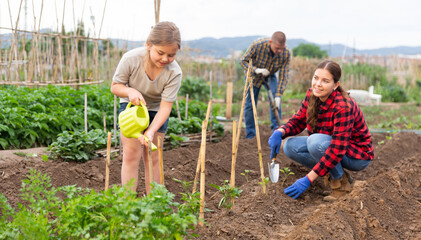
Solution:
(132, 152)
(155, 163)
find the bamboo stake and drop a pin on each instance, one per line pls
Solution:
(187, 107)
(108, 62)
(55, 34)
(229, 101)
(246, 87)
(256, 125)
(14, 38)
(211, 117)
(37, 83)
(161, 160)
(104, 121)
(107, 162)
(102, 19)
(115, 120)
(234, 134)
(86, 113)
(149, 151)
(178, 109)
(200, 151)
(202, 174)
(157, 7)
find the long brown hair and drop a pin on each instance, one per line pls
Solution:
(315, 102)
(163, 33)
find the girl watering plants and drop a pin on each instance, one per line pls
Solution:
(338, 137)
(151, 76)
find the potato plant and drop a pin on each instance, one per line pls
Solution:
(116, 213)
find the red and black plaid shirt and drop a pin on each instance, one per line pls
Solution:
(343, 120)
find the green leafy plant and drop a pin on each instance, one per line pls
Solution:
(286, 171)
(264, 181)
(227, 193)
(191, 201)
(197, 88)
(176, 140)
(77, 146)
(246, 174)
(116, 213)
(44, 158)
(32, 117)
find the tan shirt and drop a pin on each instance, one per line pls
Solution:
(131, 72)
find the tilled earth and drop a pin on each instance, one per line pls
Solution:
(385, 202)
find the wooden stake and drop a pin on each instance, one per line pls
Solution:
(240, 119)
(86, 112)
(157, 7)
(187, 107)
(178, 109)
(211, 117)
(107, 162)
(200, 151)
(115, 120)
(229, 100)
(161, 160)
(234, 134)
(202, 174)
(104, 121)
(149, 150)
(256, 125)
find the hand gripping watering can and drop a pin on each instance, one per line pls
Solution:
(133, 121)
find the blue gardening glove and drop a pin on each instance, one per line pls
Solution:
(275, 142)
(298, 187)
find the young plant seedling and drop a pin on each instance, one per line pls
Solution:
(191, 200)
(264, 182)
(228, 193)
(286, 171)
(246, 174)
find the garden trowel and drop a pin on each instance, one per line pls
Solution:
(273, 170)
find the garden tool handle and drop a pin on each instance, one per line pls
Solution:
(274, 157)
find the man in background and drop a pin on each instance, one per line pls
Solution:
(269, 55)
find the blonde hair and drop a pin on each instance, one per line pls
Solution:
(163, 33)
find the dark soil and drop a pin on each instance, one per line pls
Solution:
(385, 202)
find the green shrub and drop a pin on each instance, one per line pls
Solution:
(197, 88)
(35, 116)
(77, 146)
(393, 93)
(116, 213)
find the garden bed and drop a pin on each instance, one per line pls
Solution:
(385, 202)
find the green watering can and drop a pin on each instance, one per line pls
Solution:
(133, 121)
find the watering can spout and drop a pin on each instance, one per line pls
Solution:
(133, 121)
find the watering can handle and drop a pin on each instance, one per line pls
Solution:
(130, 103)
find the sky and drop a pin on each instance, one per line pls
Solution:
(363, 24)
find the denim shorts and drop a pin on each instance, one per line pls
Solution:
(152, 114)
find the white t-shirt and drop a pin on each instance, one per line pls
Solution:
(131, 72)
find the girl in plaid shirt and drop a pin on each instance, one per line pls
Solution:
(338, 135)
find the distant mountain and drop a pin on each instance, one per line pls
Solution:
(223, 47)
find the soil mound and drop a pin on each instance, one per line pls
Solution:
(385, 202)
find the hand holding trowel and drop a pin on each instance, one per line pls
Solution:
(275, 142)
